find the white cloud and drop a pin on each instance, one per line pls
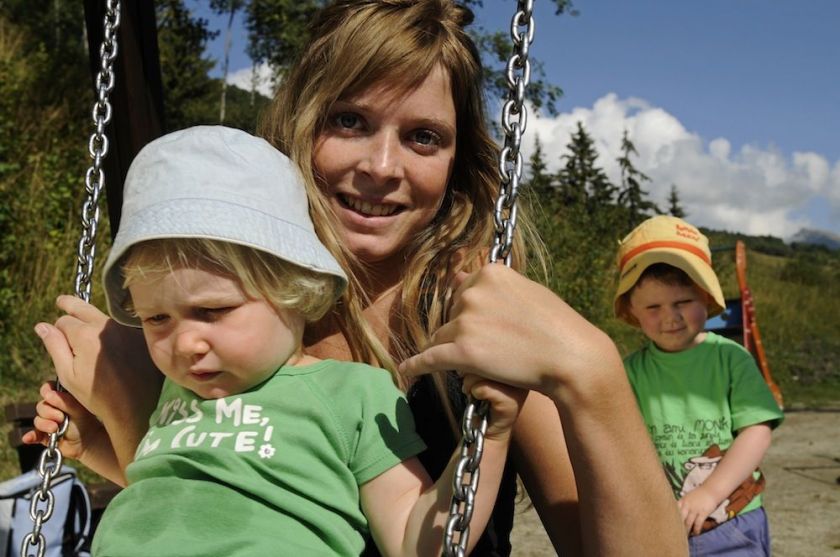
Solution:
(752, 189)
(246, 78)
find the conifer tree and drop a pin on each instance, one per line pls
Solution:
(631, 195)
(540, 180)
(674, 207)
(181, 40)
(582, 182)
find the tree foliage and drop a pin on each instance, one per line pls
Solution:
(581, 180)
(674, 207)
(631, 195)
(45, 99)
(182, 39)
(278, 29)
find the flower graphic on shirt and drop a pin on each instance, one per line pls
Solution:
(267, 451)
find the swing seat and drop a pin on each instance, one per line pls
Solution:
(20, 416)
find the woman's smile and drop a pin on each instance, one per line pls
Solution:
(368, 209)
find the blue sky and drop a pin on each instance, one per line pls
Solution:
(735, 102)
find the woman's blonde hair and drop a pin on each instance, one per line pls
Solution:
(259, 274)
(357, 44)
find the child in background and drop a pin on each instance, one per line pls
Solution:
(255, 448)
(704, 401)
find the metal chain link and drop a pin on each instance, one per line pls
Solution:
(514, 120)
(43, 500)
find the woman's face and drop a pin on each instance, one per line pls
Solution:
(385, 159)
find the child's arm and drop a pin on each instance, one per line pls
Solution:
(407, 513)
(739, 462)
(85, 439)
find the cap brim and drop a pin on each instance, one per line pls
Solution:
(188, 218)
(697, 270)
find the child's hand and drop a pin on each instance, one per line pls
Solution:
(695, 507)
(105, 365)
(51, 410)
(505, 404)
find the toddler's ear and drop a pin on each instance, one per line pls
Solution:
(622, 309)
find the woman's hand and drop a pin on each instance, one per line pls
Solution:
(508, 328)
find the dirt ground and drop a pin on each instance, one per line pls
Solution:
(802, 497)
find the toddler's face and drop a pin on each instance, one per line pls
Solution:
(672, 316)
(207, 335)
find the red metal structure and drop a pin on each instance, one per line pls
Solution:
(739, 322)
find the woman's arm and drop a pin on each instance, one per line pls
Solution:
(508, 328)
(539, 452)
(739, 462)
(107, 368)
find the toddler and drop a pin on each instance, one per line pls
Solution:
(704, 401)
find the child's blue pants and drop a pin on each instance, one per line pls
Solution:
(746, 535)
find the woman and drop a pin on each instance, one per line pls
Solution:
(384, 115)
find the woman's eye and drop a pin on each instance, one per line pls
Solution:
(427, 138)
(347, 120)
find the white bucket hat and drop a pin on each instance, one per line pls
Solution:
(218, 183)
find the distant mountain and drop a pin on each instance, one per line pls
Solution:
(818, 237)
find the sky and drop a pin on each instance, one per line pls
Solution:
(735, 102)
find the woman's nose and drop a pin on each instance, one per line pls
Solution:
(383, 161)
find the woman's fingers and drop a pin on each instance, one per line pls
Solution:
(435, 358)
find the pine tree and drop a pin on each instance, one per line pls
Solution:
(581, 181)
(186, 85)
(631, 195)
(540, 180)
(674, 207)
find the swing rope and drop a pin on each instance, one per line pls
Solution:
(43, 500)
(474, 424)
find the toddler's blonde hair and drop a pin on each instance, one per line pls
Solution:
(260, 275)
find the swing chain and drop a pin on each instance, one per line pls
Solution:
(43, 500)
(97, 149)
(473, 428)
(476, 414)
(514, 121)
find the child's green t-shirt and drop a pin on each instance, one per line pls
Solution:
(272, 471)
(693, 402)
